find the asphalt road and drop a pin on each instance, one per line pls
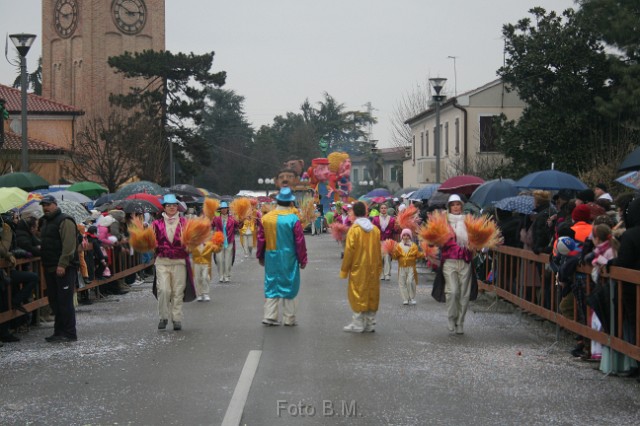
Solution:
(506, 368)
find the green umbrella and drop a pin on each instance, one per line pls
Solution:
(23, 180)
(11, 198)
(90, 189)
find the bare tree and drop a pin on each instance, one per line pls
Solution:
(104, 152)
(412, 103)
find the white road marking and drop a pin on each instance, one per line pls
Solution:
(236, 406)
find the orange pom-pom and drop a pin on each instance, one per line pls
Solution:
(307, 212)
(429, 250)
(216, 248)
(218, 238)
(483, 232)
(240, 208)
(338, 231)
(408, 218)
(388, 246)
(210, 207)
(437, 230)
(142, 239)
(195, 232)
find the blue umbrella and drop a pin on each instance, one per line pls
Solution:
(494, 190)
(378, 192)
(425, 192)
(551, 179)
(519, 203)
(631, 180)
(631, 161)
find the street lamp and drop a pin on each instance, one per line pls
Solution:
(266, 181)
(23, 43)
(437, 84)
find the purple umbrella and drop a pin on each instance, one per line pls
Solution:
(378, 192)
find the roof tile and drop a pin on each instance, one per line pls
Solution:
(35, 104)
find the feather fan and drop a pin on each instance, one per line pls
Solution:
(437, 230)
(483, 232)
(240, 208)
(142, 239)
(195, 232)
(338, 231)
(218, 238)
(408, 218)
(307, 212)
(210, 207)
(429, 250)
(388, 246)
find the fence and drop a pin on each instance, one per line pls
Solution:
(523, 278)
(122, 265)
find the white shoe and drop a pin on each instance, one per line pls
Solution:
(221, 279)
(206, 298)
(353, 328)
(270, 322)
(387, 278)
(226, 279)
(459, 329)
(412, 302)
(200, 298)
(405, 302)
(451, 326)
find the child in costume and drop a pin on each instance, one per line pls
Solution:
(407, 253)
(202, 270)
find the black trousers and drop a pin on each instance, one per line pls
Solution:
(60, 293)
(29, 282)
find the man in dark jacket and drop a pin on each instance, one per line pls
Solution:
(60, 261)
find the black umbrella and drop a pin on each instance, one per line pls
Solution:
(631, 162)
(185, 189)
(106, 198)
(135, 205)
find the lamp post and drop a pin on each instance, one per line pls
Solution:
(23, 43)
(266, 181)
(437, 84)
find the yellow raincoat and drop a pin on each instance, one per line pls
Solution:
(407, 259)
(362, 264)
(202, 255)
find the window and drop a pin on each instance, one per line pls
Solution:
(355, 175)
(488, 135)
(421, 144)
(394, 174)
(446, 138)
(457, 125)
(427, 141)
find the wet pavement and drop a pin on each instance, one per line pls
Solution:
(506, 369)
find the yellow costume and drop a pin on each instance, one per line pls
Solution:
(407, 254)
(362, 264)
(202, 269)
(407, 259)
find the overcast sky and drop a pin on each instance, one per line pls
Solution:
(277, 53)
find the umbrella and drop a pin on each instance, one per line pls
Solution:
(74, 209)
(378, 192)
(425, 192)
(403, 192)
(494, 190)
(23, 180)
(438, 199)
(185, 189)
(379, 200)
(11, 198)
(138, 187)
(31, 208)
(146, 197)
(90, 189)
(551, 179)
(106, 198)
(630, 180)
(463, 184)
(519, 203)
(631, 161)
(70, 196)
(133, 206)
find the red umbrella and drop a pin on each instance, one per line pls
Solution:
(147, 197)
(463, 184)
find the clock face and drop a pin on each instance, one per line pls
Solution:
(66, 17)
(129, 15)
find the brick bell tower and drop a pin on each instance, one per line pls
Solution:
(79, 35)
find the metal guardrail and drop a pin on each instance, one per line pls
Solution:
(122, 266)
(520, 277)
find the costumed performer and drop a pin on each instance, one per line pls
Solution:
(386, 224)
(407, 253)
(226, 224)
(283, 252)
(362, 265)
(456, 266)
(202, 269)
(173, 283)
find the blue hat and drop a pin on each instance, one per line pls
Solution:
(169, 199)
(48, 199)
(285, 195)
(224, 205)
